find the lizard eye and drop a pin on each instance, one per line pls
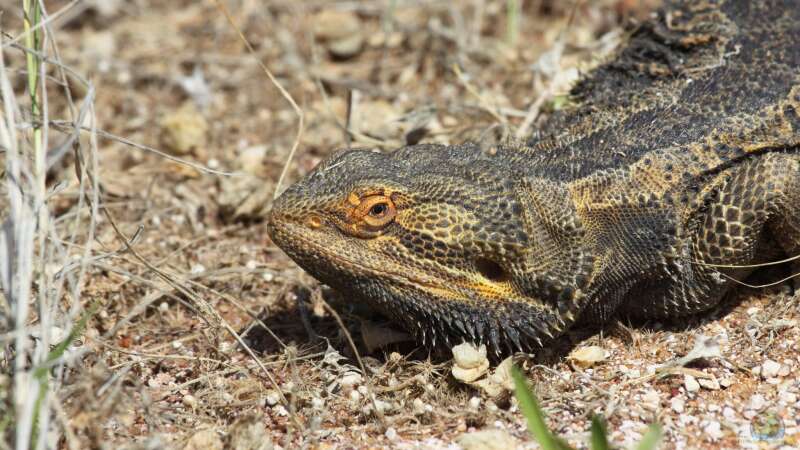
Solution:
(376, 211)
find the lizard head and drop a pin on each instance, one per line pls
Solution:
(437, 237)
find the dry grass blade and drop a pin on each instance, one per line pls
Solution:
(40, 309)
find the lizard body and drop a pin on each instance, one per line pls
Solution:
(678, 163)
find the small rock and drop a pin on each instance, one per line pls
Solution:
(418, 407)
(341, 31)
(770, 369)
(251, 160)
(713, 430)
(651, 400)
(677, 404)
(183, 131)
(249, 433)
(348, 47)
(272, 398)
(488, 439)
(729, 413)
(351, 379)
(588, 356)
(474, 402)
(391, 434)
(690, 383)
(330, 24)
(189, 400)
(709, 383)
(788, 398)
(499, 381)
(204, 440)
(757, 402)
(378, 118)
(470, 362)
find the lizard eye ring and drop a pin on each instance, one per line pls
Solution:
(376, 211)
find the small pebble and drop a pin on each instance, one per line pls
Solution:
(690, 383)
(728, 413)
(677, 404)
(709, 383)
(757, 402)
(189, 400)
(474, 402)
(713, 430)
(770, 369)
(272, 398)
(391, 434)
(787, 397)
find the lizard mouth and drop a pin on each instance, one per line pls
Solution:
(318, 257)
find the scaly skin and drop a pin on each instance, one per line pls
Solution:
(679, 162)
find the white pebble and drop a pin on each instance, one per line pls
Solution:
(757, 402)
(651, 399)
(677, 404)
(189, 400)
(713, 430)
(198, 269)
(251, 264)
(419, 406)
(317, 403)
(788, 398)
(474, 402)
(770, 369)
(391, 434)
(728, 413)
(690, 383)
(272, 398)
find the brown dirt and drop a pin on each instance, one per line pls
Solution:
(162, 363)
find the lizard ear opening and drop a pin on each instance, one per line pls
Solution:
(491, 270)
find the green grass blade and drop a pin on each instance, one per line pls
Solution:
(513, 11)
(533, 414)
(651, 439)
(599, 434)
(41, 372)
(57, 351)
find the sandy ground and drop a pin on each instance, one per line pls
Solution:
(162, 367)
